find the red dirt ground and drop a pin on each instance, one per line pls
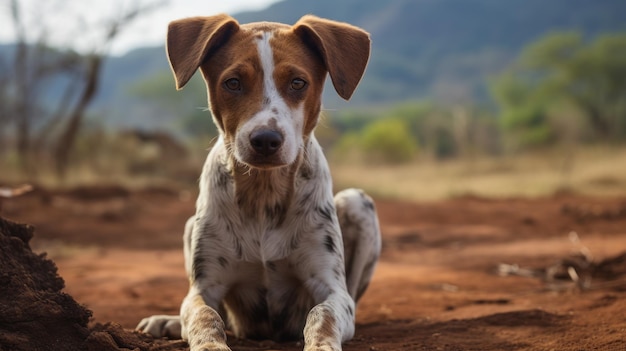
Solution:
(436, 287)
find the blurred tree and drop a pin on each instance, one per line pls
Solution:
(523, 111)
(432, 126)
(561, 69)
(388, 141)
(189, 105)
(439, 132)
(36, 64)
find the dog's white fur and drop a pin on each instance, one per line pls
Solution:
(269, 253)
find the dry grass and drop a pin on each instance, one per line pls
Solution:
(599, 172)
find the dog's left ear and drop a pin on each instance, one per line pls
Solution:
(190, 40)
(344, 48)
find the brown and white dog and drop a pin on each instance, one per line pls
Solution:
(269, 253)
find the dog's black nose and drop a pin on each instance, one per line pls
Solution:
(266, 142)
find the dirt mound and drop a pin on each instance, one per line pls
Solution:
(36, 315)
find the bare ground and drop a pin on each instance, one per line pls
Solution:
(461, 274)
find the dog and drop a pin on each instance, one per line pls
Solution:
(269, 253)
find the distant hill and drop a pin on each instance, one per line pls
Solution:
(438, 49)
(444, 48)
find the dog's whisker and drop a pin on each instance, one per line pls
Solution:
(248, 171)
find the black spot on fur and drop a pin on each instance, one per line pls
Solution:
(306, 173)
(271, 266)
(329, 243)
(304, 201)
(197, 267)
(326, 211)
(274, 211)
(222, 261)
(338, 272)
(295, 240)
(239, 249)
(199, 263)
(349, 310)
(368, 204)
(222, 177)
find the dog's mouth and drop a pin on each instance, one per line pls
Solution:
(264, 164)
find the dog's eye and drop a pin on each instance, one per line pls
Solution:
(233, 84)
(298, 84)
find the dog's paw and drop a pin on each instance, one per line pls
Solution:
(322, 347)
(161, 326)
(210, 347)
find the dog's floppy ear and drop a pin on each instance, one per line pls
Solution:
(189, 40)
(344, 48)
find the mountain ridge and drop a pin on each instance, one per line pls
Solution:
(441, 50)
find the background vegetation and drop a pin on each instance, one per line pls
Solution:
(456, 90)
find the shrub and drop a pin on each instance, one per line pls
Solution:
(388, 141)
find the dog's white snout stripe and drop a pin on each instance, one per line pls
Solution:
(275, 116)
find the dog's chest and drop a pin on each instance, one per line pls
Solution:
(263, 218)
(260, 243)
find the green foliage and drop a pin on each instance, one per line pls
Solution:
(437, 132)
(523, 112)
(388, 141)
(562, 70)
(433, 126)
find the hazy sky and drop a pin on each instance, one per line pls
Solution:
(71, 22)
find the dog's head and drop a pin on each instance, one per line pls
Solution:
(265, 79)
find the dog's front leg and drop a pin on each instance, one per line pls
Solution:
(202, 326)
(329, 323)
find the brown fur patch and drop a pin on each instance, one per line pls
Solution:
(238, 59)
(328, 327)
(293, 59)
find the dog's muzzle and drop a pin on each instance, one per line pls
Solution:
(266, 143)
(264, 149)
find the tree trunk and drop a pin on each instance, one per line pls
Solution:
(21, 111)
(67, 139)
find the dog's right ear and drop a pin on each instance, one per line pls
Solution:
(190, 40)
